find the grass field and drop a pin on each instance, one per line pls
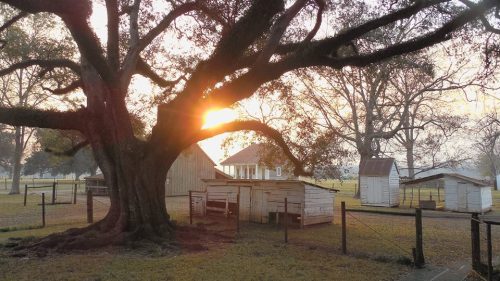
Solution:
(379, 248)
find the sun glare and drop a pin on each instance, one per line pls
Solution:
(214, 118)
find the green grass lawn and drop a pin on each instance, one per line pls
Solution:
(379, 247)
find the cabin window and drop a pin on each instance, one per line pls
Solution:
(278, 171)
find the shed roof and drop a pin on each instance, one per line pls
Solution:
(378, 167)
(476, 182)
(248, 155)
(221, 175)
(252, 181)
(96, 177)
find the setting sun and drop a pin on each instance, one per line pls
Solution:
(214, 118)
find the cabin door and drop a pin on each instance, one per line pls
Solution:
(462, 196)
(245, 203)
(374, 190)
(258, 205)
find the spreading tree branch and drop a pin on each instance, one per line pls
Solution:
(69, 120)
(70, 152)
(65, 90)
(259, 127)
(47, 64)
(13, 20)
(145, 70)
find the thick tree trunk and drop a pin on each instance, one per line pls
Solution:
(17, 157)
(363, 157)
(410, 161)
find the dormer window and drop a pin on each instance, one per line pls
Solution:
(278, 171)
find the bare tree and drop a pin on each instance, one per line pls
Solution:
(488, 128)
(245, 47)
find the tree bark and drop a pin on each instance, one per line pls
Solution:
(17, 157)
(410, 161)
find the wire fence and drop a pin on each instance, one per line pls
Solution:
(65, 203)
(494, 243)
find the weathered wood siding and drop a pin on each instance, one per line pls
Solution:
(465, 197)
(259, 198)
(318, 207)
(187, 172)
(380, 191)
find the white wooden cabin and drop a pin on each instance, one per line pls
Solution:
(262, 201)
(379, 182)
(462, 193)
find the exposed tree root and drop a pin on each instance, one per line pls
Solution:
(180, 238)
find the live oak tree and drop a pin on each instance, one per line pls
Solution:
(246, 44)
(23, 87)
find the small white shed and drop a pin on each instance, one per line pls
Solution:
(379, 182)
(262, 201)
(462, 193)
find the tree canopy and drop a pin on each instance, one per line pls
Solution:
(234, 48)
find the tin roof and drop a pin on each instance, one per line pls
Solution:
(378, 167)
(96, 177)
(248, 155)
(252, 181)
(476, 182)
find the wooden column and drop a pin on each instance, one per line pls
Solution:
(53, 193)
(25, 193)
(43, 209)
(90, 207)
(419, 249)
(75, 192)
(190, 207)
(475, 242)
(344, 230)
(490, 254)
(286, 220)
(238, 212)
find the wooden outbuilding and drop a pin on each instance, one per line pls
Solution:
(188, 170)
(96, 184)
(462, 193)
(262, 201)
(186, 173)
(379, 182)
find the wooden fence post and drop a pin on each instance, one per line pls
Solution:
(5, 183)
(75, 192)
(53, 193)
(419, 249)
(90, 207)
(43, 209)
(475, 242)
(286, 220)
(238, 213)
(344, 230)
(190, 207)
(25, 193)
(490, 255)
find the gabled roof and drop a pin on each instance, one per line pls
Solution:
(197, 146)
(377, 167)
(476, 182)
(248, 155)
(96, 177)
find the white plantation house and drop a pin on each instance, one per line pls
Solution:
(246, 164)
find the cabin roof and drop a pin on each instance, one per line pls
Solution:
(476, 182)
(378, 167)
(221, 174)
(252, 181)
(96, 177)
(248, 155)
